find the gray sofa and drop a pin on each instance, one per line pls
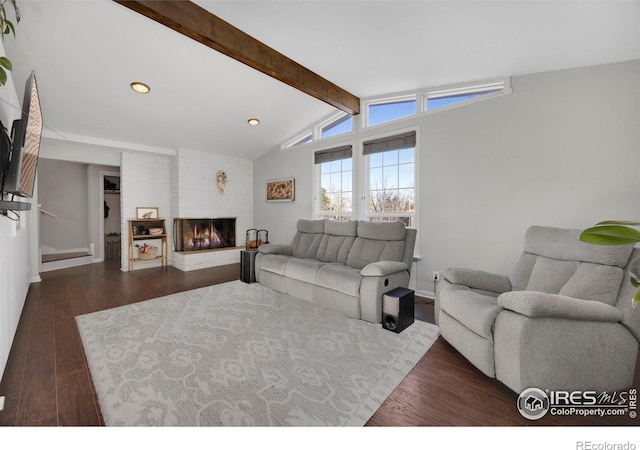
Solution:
(561, 320)
(344, 266)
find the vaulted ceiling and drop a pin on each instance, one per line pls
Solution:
(86, 53)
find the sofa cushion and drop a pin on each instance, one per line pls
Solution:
(307, 239)
(303, 269)
(365, 251)
(563, 244)
(382, 231)
(340, 278)
(580, 280)
(274, 263)
(474, 310)
(594, 282)
(337, 241)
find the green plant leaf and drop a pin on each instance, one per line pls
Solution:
(4, 62)
(618, 222)
(610, 235)
(10, 28)
(3, 76)
(636, 299)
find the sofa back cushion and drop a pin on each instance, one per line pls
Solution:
(337, 241)
(307, 239)
(377, 241)
(555, 261)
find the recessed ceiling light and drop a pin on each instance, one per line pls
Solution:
(140, 88)
(253, 122)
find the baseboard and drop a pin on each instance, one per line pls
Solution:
(65, 263)
(426, 294)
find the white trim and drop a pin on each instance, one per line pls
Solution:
(469, 88)
(330, 121)
(294, 142)
(120, 145)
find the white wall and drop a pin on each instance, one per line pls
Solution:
(562, 150)
(144, 182)
(63, 192)
(18, 243)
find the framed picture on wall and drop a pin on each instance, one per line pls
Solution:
(281, 190)
(147, 213)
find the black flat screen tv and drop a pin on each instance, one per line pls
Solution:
(20, 173)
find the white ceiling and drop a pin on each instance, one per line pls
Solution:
(86, 53)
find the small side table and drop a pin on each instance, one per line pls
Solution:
(248, 266)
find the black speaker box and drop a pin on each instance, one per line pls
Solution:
(247, 266)
(397, 309)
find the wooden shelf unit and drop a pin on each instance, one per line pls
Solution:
(137, 237)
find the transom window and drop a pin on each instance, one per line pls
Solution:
(446, 97)
(342, 125)
(387, 111)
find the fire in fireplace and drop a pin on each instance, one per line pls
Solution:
(203, 234)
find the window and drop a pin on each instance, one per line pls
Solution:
(446, 97)
(299, 140)
(391, 165)
(382, 112)
(336, 183)
(343, 125)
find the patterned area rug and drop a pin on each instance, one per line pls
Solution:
(242, 354)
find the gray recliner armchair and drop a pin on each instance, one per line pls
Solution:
(561, 320)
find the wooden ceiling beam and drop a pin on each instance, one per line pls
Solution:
(199, 24)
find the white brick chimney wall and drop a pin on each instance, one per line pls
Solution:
(194, 191)
(144, 182)
(185, 186)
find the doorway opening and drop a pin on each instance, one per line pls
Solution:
(112, 223)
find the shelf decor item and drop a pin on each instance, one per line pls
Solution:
(146, 213)
(147, 252)
(221, 179)
(255, 238)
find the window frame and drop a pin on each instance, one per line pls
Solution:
(299, 139)
(317, 186)
(502, 87)
(413, 96)
(364, 192)
(334, 120)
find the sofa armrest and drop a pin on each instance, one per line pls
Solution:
(477, 279)
(383, 268)
(541, 304)
(276, 249)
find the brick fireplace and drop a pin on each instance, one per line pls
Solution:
(190, 235)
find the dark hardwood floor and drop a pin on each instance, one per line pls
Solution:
(47, 382)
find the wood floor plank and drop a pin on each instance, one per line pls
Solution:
(38, 399)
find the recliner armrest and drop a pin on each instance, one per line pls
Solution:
(541, 304)
(383, 268)
(276, 249)
(477, 279)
